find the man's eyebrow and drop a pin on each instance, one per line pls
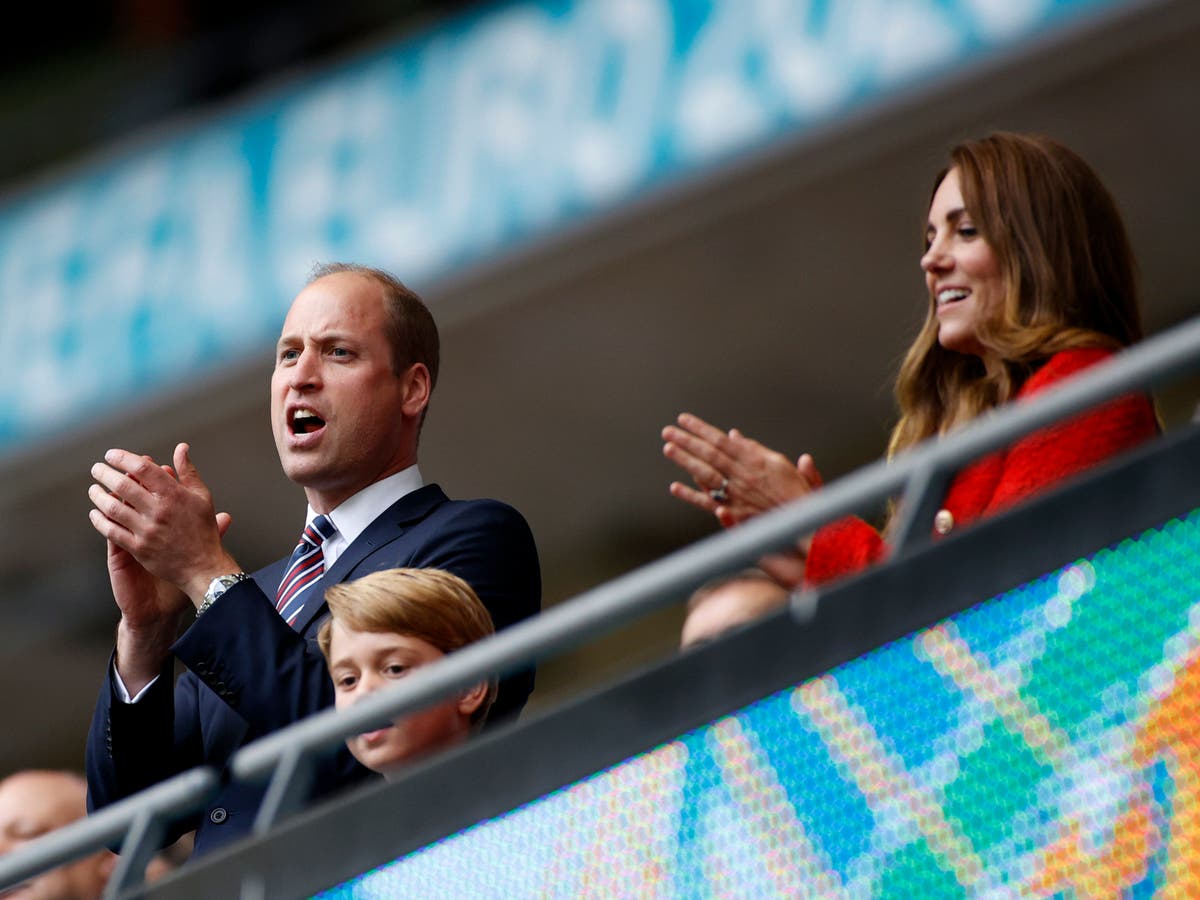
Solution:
(326, 337)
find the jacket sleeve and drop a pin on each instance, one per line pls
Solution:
(253, 661)
(132, 746)
(840, 548)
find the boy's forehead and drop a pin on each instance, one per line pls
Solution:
(352, 640)
(341, 639)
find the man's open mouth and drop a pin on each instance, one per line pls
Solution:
(305, 421)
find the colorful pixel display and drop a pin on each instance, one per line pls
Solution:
(1043, 743)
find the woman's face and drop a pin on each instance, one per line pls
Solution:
(961, 270)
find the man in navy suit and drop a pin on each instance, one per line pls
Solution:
(355, 366)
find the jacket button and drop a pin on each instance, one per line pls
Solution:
(943, 522)
(218, 815)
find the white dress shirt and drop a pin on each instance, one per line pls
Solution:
(353, 516)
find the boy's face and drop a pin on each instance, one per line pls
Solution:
(362, 662)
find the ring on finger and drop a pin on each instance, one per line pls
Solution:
(720, 494)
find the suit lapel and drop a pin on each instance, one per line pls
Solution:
(268, 578)
(389, 526)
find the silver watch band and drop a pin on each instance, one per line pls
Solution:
(217, 587)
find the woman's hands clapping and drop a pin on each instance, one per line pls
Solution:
(736, 477)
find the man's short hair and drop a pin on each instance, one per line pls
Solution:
(410, 327)
(430, 604)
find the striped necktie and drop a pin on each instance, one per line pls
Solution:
(306, 566)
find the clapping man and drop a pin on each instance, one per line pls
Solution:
(355, 366)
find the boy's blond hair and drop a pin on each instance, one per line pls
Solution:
(430, 604)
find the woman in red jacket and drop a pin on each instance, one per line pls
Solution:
(1031, 278)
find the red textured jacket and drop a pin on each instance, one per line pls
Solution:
(1031, 465)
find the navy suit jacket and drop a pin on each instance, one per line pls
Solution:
(247, 673)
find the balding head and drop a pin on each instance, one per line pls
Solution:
(730, 603)
(34, 803)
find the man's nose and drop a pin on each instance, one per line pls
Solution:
(307, 370)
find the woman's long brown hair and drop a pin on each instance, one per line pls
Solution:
(1069, 274)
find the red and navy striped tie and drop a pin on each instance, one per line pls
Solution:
(305, 567)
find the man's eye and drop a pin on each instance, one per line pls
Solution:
(339, 352)
(288, 355)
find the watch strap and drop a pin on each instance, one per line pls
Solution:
(217, 587)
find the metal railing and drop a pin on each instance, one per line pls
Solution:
(286, 759)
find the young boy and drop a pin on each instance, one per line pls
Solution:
(383, 626)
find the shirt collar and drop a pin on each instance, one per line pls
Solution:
(354, 514)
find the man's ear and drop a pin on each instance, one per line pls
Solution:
(417, 388)
(472, 698)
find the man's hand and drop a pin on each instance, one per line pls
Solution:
(167, 524)
(151, 609)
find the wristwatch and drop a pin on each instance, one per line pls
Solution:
(217, 587)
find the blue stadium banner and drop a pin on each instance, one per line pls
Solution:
(171, 255)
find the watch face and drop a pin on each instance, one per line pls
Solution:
(221, 584)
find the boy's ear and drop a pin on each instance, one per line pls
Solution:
(472, 698)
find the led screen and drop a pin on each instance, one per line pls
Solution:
(1043, 743)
